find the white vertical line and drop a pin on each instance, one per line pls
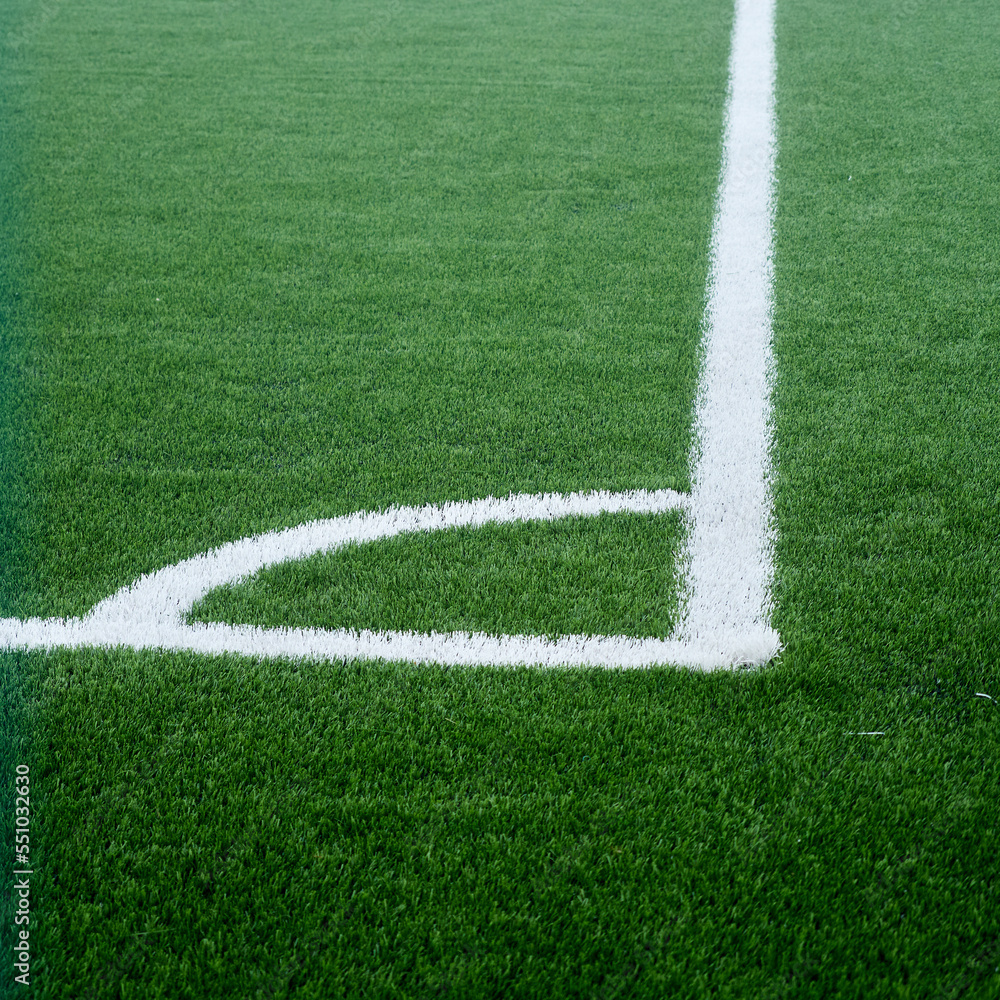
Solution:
(728, 561)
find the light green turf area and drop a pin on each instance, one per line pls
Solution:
(404, 256)
(295, 263)
(574, 576)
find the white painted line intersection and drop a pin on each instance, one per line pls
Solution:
(727, 564)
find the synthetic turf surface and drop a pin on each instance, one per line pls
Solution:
(212, 826)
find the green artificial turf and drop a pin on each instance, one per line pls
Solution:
(16, 128)
(17, 696)
(285, 270)
(288, 264)
(574, 576)
(887, 321)
(368, 829)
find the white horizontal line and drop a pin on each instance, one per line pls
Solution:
(451, 648)
(152, 612)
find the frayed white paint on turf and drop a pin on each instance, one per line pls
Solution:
(728, 561)
(161, 596)
(451, 648)
(152, 612)
(727, 564)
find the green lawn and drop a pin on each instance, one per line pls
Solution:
(264, 265)
(574, 576)
(306, 271)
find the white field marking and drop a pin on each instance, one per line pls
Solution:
(152, 612)
(729, 555)
(727, 564)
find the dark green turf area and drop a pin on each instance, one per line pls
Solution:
(887, 329)
(460, 250)
(17, 693)
(351, 830)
